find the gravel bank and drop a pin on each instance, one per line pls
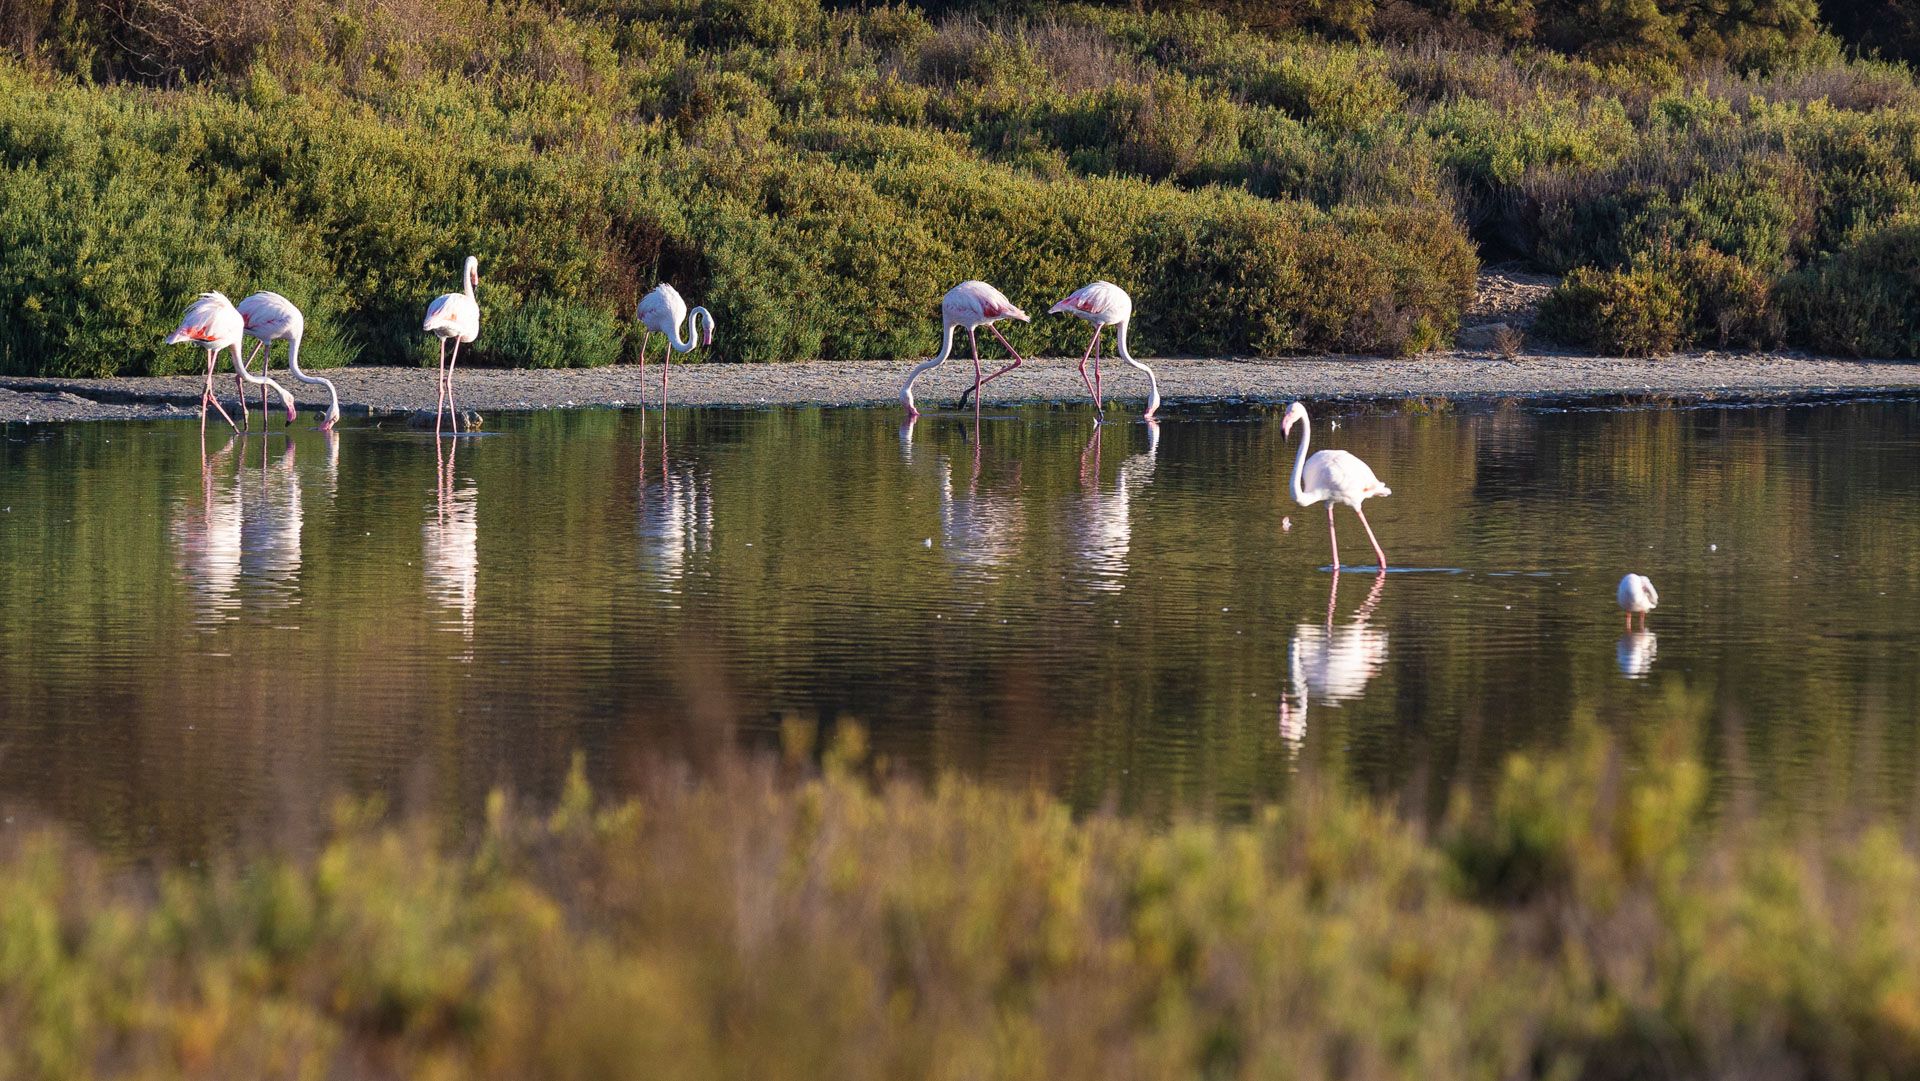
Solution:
(391, 391)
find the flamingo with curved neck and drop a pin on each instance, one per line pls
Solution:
(269, 318)
(664, 311)
(214, 324)
(1103, 304)
(456, 316)
(971, 304)
(1332, 476)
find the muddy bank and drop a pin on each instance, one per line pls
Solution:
(383, 392)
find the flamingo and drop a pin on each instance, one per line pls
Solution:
(270, 317)
(1636, 596)
(1334, 476)
(971, 304)
(1103, 304)
(214, 324)
(664, 310)
(456, 316)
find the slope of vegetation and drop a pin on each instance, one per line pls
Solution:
(1264, 178)
(1587, 921)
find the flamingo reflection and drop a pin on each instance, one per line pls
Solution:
(207, 537)
(270, 521)
(1103, 520)
(450, 540)
(676, 510)
(979, 528)
(1333, 664)
(1635, 653)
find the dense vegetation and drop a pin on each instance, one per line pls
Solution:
(1265, 178)
(1586, 921)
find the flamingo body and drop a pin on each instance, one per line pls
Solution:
(972, 304)
(1101, 303)
(270, 317)
(664, 311)
(455, 316)
(1637, 597)
(1332, 476)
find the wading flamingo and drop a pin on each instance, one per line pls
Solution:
(214, 324)
(971, 304)
(270, 317)
(456, 316)
(1103, 304)
(1334, 476)
(664, 310)
(1637, 597)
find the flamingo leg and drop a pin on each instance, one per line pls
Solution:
(1378, 554)
(1084, 357)
(440, 384)
(1333, 538)
(1099, 391)
(213, 358)
(453, 411)
(974, 337)
(666, 368)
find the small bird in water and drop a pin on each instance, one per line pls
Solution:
(1636, 596)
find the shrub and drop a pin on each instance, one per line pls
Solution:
(1664, 302)
(1864, 301)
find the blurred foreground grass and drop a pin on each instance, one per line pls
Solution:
(1588, 918)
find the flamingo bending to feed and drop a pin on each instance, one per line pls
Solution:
(1637, 597)
(456, 316)
(1103, 304)
(214, 324)
(971, 304)
(1334, 476)
(664, 310)
(270, 317)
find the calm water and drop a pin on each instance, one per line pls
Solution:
(198, 647)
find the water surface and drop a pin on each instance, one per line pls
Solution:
(205, 642)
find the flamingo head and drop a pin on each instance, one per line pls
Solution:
(1296, 414)
(473, 271)
(330, 417)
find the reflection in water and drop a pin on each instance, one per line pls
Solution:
(676, 511)
(1333, 664)
(207, 538)
(270, 517)
(980, 529)
(450, 541)
(1635, 653)
(1102, 519)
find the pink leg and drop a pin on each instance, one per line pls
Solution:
(212, 359)
(666, 368)
(1017, 361)
(453, 411)
(1333, 538)
(1084, 357)
(1378, 554)
(440, 384)
(973, 337)
(266, 418)
(1099, 392)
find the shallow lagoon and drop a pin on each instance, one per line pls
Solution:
(202, 648)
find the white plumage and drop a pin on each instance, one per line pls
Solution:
(1637, 597)
(214, 324)
(971, 304)
(663, 311)
(1333, 476)
(269, 318)
(1105, 304)
(455, 316)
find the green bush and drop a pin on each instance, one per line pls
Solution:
(1864, 301)
(1637, 311)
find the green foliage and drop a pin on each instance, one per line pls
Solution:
(1864, 301)
(768, 921)
(1672, 300)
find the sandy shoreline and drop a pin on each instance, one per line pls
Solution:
(380, 392)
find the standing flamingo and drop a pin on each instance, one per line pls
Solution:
(971, 304)
(214, 324)
(664, 310)
(1334, 476)
(1103, 304)
(456, 316)
(270, 317)
(1636, 596)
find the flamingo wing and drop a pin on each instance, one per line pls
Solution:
(661, 310)
(1342, 476)
(977, 298)
(1101, 301)
(210, 320)
(270, 316)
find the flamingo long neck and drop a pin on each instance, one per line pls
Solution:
(293, 365)
(240, 365)
(686, 344)
(1153, 383)
(946, 350)
(1300, 462)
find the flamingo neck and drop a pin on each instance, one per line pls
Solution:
(333, 396)
(946, 350)
(1153, 383)
(240, 365)
(1300, 461)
